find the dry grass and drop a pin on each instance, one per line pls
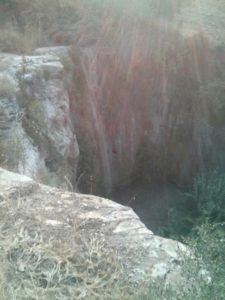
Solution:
(36, 267)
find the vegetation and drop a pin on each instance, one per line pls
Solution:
(34, 265)
(198, 221)
(208, 245)
(204, 203)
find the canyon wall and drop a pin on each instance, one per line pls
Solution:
(144, 100)
(143, 95)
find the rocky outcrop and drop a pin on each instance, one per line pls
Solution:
(37, 136)
(80, 245)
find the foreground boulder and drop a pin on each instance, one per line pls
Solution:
(61, 245)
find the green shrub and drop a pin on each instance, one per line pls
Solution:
(204, 202)
(200, 218)
(208, 196)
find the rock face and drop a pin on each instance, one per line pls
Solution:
(36, 134)
(140, 88)
(93, 243)
(148, 108)
(141, 92)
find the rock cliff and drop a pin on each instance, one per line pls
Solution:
(142, 93)
(36, 134)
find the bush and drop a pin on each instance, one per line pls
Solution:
(204, 202)
(200, 217)
(208, 196)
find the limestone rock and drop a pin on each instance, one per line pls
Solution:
(37, 137)
(95, 243)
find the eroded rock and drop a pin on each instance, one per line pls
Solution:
(37, 137)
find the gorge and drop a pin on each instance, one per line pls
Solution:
(131, 88)
(112, 142)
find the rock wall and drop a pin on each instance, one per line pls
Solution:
(37, 136)
(144, 99)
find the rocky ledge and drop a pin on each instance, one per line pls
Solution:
(75, 245)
